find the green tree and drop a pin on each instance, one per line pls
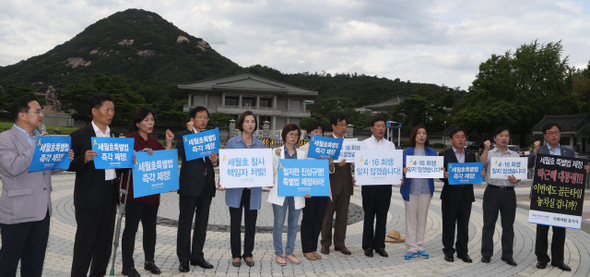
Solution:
(518, 89)
(581, 89)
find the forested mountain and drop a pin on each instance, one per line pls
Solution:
(137, 44)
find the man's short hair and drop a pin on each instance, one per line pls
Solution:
(499, 130)
(312, 126)
(336, 118)
(96, 101)
(196, 110)
(242, 118)
(377, 119)
(21, 105)
(456, 130)
(549, 126)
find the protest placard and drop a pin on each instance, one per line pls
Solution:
(240, 168)
(201, 144)
(465, 173)
(374, 167)
(51, 153)
(113, 153)
(324, 147)
(155, 173)
(300, 177)
(557, 194)
(501, 168)
(349, 147)
(425, 166)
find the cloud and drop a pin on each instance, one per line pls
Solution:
(428, 41)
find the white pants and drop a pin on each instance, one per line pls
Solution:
(416, 216)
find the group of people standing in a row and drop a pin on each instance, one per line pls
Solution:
(499, 198)
(25, 204)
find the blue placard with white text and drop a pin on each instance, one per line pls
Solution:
(113, 153)
(465, 173)
(324, 147)
(201, 144)
(51, 153)
(300, 177)
(155, 173)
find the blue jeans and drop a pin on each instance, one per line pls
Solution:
(280, 213)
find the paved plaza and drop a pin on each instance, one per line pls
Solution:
(217, 247)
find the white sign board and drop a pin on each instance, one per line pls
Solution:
(375, 167)
(245, 168)
(425, 167)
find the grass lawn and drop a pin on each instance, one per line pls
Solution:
(64, 130)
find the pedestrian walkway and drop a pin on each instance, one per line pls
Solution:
(217, 248)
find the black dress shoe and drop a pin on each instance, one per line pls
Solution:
(465, 258)
(382, 252)
(132, 272)
(369, 252)
(541, 265)
(449, 258)
(183, 267)
(325, 249)
(485, 259)
(562, 266)
(151, 267)
(202, 263)
(509, 261)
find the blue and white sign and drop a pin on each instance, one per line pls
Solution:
(501, 168)
(201, 144)
(425, 167)
(324, 147)
(113, 152)
(300, 177)
(375, 167)
(155, 173)
(51, 153)
(349, 147)
(465, 173)
(245, 168)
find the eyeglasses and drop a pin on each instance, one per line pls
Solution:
(293, 135)
(551, 133)
(39, 111)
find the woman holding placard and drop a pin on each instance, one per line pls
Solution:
(417, 194)
(281, 204)
(144, 209)
(247, 199)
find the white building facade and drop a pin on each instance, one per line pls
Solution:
(270, 100)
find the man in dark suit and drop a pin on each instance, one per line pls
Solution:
(552, 134)
(197, 188)
(456, 201)
(95, 193)
(25, 203)
(341, 187)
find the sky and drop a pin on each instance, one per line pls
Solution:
(422, 41)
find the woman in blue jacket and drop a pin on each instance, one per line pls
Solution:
(247, 199)
(417, 194)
